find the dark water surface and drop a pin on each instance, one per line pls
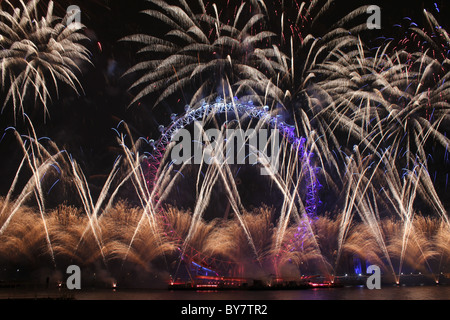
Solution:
(345, 293)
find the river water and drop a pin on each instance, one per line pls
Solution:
(346, 293)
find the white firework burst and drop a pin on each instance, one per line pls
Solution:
(391, 98)
(38, 54)
(203, 53)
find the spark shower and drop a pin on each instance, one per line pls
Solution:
(362, 120)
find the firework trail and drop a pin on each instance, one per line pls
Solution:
(39, 53)
(390, 104)
(386, 100)
(252, 51)
(205, 51)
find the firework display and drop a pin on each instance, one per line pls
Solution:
(353, 170)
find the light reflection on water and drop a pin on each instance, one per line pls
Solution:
(346, 293)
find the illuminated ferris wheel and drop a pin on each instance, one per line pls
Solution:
(229, 113)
